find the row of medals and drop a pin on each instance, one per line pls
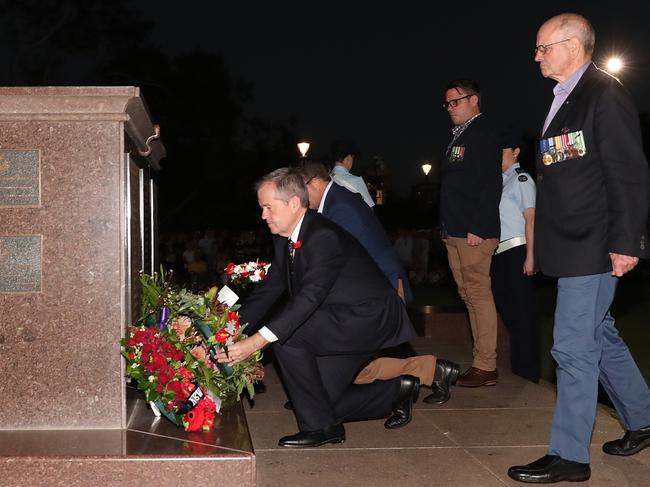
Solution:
(569, 146)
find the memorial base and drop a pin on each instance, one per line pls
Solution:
(150, 451)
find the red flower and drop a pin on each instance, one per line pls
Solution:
(201, 417)
(193, 420)
(222, 336)
(234, 316)
(296, 245)
(166, 374)
(230, 268)
(185, 373)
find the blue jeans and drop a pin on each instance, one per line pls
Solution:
(587, 348)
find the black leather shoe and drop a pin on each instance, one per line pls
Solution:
(310, 439)
(550, 469)
(288, 405)
(633, 442)
(403, 406)
(448, 373)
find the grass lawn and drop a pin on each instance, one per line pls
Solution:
(631, 310)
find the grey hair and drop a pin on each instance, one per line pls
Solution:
(288, 183)
(575, 25)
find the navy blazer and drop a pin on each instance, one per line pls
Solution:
(598, 203)
(340, 303)
(349, 210)
(470, 189)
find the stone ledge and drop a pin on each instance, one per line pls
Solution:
(150, 451)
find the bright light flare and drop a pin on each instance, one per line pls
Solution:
(303, 147)
(426, 168)
(614, 65)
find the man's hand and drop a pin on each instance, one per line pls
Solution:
(622, 264)
(242, 350)
(529, 266)
(473, 240)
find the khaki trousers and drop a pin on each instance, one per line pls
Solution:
(384, 368)
(471, 269)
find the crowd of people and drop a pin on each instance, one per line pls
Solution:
(336, 292)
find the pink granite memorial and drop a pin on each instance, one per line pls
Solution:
(77, 224)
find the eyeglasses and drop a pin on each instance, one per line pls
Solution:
(454, 103)
(309, 180)
(543, 48)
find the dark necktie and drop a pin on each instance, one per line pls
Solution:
(290, 251)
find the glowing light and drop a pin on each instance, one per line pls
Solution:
(303, 147)
(614, 65)
(426, 168)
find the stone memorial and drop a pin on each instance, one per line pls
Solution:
(78, 222)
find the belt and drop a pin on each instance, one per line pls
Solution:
(509, 244)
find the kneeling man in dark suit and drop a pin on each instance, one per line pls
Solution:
(341, 310)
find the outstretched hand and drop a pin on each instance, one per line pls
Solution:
(242, 349)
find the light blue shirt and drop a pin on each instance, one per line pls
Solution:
(518, 194)
(562, 91)
(356, 184)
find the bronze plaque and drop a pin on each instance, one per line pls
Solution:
(19, 177)
(20, 264)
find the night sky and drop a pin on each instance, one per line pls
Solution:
(375, 73)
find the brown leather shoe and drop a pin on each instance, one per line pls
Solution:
(474, 377)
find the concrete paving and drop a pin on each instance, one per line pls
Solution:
(469, 441)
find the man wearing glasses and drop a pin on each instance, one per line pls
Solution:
(592, 205)
(469, 213)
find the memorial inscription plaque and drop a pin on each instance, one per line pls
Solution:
(20, 263)
(20, 177)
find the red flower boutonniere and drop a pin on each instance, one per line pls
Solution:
(296, 245)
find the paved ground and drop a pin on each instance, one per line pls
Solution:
(470, 441)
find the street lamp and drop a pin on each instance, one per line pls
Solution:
(426, 169)
(303, 147)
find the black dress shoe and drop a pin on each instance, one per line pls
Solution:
(309, 439)
(633, 442)
(288, 405)
(448, 373)
(550, 469)
(403, 406)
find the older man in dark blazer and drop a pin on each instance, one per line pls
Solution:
(592, 206)
(341, 310)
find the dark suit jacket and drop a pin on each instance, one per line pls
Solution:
(340, 302)
(470, 190)
(349, 210)
(597, 203)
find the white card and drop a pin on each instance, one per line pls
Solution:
(227, 296)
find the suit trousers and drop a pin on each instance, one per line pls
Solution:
(587, 348)
(423, 367)
(514, 296)
(471, 269)
(322, 391)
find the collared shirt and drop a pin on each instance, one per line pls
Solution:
(517, 195)
(457, 130)
(356, 184)
(562, 91)
(322, 200)
(268, 335)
